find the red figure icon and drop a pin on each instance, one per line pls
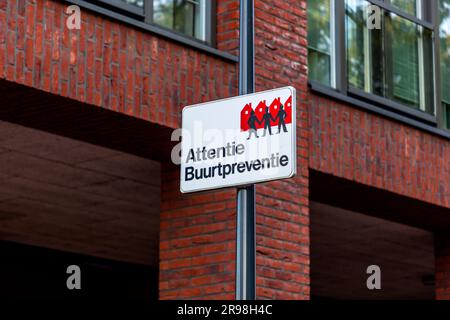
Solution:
(277, 114)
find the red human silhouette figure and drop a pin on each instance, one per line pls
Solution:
(245, 115)
(259, 111)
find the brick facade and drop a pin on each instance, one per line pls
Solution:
(379, 152)
(206, 268)
(112, 65)
(197, 247)
(282, 211)
(107, 64)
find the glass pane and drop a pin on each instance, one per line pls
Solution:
(409, 6)
(319, 69)
(319, 41)
(357, 34)
(405, 61)
(163, 13)
(392, 62)
(444, 36)
(185, 16)
(137, 3)
(199, 21)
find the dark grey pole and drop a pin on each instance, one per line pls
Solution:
(246, 246)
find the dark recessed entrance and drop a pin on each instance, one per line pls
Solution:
(354, 226)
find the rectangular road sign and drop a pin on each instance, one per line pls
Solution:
(239, 141)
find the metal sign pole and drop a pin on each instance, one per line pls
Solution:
(246, 246)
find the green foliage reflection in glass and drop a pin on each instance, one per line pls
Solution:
(408, 6)
(356, 34)
(319, 41)
(387, 62)
(405, 60)
(137, 3)
(444, 36)
(180, 15)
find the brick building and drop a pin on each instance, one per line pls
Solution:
(86, 118)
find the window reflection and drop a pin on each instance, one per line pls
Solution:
(185, 16)
(392, 62)
(137, 3)
(444, 36)
(319, 41)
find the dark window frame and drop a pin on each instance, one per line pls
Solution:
(143, 17)
(209, 21)
(429, 20)
(129, 18)
(124, 7)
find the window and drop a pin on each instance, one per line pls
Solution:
(188, 17)
(394, 62)
(408, 6)
(319, 41)
(444, 39)
(392, 66)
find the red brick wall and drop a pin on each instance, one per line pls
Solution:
(282, 210)
(115, 66)
(382, 153)
(112, 65)
(107, 64)
(227, 37)
(198, 231)
(379, 152)
(197, 242)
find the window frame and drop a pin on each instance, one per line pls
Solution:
(145, 14)
(117, 15)
(440, 113)
(428, 18)
(209, 22)
(125, 7)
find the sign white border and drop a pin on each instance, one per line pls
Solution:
(256, 181)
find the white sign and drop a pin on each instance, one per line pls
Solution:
(239, 141)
